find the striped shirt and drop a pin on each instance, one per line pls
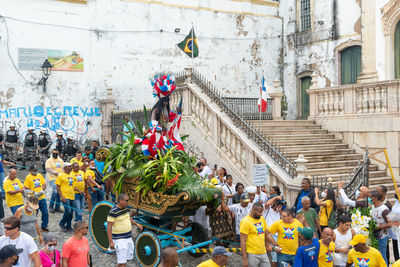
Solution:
(122, 226)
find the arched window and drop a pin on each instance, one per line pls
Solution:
(397, 51)
(350, 62)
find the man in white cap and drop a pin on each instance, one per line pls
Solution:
(44, 144)
(60, 143)
(71, 147)
(30, 145)
(251, 190)
(12, 144)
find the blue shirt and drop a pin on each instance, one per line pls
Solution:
(1, 163)
(303, 194)
(126, 130)
(307, 255)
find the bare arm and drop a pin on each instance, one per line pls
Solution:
(64, 262)
(13, 192)
(39, 233)
(272, 200)
(243, 239)
(386, 224)
(18, 213)
(109, 235)
(36, 259)
(317, 224)
(63, 199)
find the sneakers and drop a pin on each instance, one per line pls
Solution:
(59, 210)
(46, 230)
(52, 210)
(63, 229)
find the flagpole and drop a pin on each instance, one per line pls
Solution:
(260, 109)
(192, 45)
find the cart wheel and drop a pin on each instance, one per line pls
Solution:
(199, 234)
(98, 223)
(148, 249)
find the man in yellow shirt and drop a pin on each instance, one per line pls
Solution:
(14, 189)
(35, 183)
(80, 184)
(65, 187)
(288, 237)
(255, 238)
(220, 257)
(54, 166)
(77, 159)
(362, 255)
(326, 249)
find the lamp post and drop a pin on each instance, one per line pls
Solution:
(46, 67)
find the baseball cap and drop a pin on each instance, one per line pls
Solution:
(33, 202)
(245, 197)
(42, 130)
(59, 132)
(8, 251)
(67, 164)
(251, 189)
(31, 128)
(221, 251)
(32, 167)
(357, 239)
(307, 232)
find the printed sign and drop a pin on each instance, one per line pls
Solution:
(260, 174)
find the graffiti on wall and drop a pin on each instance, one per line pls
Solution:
(81, 122)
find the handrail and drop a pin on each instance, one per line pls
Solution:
(239, 121)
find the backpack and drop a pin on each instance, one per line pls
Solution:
(331, 218)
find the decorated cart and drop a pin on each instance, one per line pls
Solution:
(152, 168)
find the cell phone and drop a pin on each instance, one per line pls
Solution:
(215, 166)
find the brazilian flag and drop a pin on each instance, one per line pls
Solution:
(187, 45)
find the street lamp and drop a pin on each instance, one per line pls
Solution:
(46, 67)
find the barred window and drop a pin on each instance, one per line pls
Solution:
(305, 15)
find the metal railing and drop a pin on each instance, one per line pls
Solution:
(353, 182)
(247, 108)
(239, 121)
(134, 115)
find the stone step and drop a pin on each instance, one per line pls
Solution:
(322, 152)
(325, 158)
(336, 170)
(271, 132)
(301, 136)
(288, 127)
(372, 181)
(331, 164)
(282, 123)
(306, 142)
(344, 175)
(305, 148)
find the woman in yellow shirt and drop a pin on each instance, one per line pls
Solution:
(327, 204)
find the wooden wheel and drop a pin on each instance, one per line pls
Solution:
(148, 249)
(98, 225)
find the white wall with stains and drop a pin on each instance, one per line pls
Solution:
(123, 47)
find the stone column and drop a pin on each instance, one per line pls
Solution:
(189, 72)
(301, 169)
(276, 96)
(313, 97)
(368, 48)
(107, 107)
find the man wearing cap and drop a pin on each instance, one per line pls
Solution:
(14, 189)
(220, 257)
(30, 145)
(71, 147)
(251, 190)
(362, 255)
(307, 253)
(240, 210)
(13, 236)
(60, 143)
(65, 188)
(44, 144)
(54, 166)
(327, 248)
(9, 255)
(12, 144)
(36, 185)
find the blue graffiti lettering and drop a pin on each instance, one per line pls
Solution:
(4, 112)
(12, 112)
(69, 109)
(38, 111)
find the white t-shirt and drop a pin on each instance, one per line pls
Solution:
(229, 190)
(205, 172)
(262, 196)
(240, 213)
(25, 242)
(201, 218)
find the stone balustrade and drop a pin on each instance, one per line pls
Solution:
(216, 135)
(356, 99)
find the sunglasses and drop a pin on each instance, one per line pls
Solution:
(87, 227)
(9, 228)
(52, 245)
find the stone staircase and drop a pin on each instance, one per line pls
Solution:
(327, 155)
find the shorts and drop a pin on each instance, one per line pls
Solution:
(258, 260)
(124, 249)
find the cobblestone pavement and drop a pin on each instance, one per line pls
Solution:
(103, 259)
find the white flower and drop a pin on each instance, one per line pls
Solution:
(121, 170)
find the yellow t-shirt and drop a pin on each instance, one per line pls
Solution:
(396, 264)
(35, 183)
(325, 257)
(255, 231)
(288, 237)
(373, 258)
(89, 172)
(323, 219)
(55, 164)
(79, 180)
(208, 263)
(66, 183)
(122, 225)
(73, 160)
(13, 200)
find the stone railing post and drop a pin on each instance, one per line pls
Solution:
(313, 97)
(301, 168)
(189, 72)
(106, 107)
(276, 96)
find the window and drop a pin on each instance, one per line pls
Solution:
(305, 98)
(305, 15)
(350, 61)
(397, 51)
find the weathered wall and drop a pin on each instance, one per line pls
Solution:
(124, 48)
